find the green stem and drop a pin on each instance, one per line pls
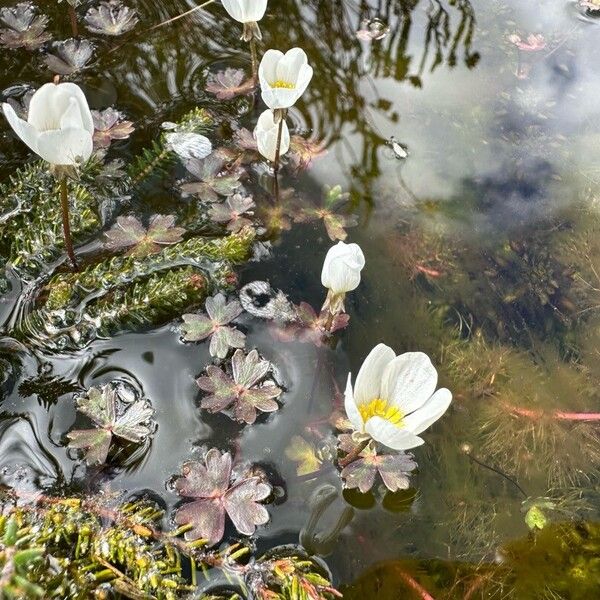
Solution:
(64, 204)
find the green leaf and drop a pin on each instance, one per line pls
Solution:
(535, 518)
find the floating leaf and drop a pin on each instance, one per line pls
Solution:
(111, 18)
(188, 145)
(310, 326)
(69, 56)
(302, 152)
(128, 232)
(335, 223)
(211, 182)
(228, 84)
(108, 125)
(304, 454)
(199, 327)
(394, 470)
(215, 495)
(112, 417)
(241, 390)
(231, 212)
(25, 29)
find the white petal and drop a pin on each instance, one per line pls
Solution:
(306, 73)
(288, 67)
(392, 436)
(368, 381)
(266, 134)
(267, 70)
(28, 133)
(411, 381)
(65, 146)
(341, 268)
(350, 406)
(51, 101)
(279, 97)
(71, 118)
(430, 412)
(235, 9)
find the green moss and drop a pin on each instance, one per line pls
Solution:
(69, 289)
(76, 549)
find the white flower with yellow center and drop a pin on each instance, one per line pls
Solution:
(284, 77)
(394, 398)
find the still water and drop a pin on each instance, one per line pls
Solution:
(481, 250)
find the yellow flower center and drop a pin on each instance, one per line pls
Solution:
(280, 83)
(378, 407)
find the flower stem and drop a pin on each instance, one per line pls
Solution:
(557, 414)
(64, 204)
(412, 583)
(278, 147)
(254, 57)
(73, 17)
(352, 456)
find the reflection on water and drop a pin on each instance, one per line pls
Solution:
(481, 250)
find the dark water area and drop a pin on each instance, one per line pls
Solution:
(481, 250)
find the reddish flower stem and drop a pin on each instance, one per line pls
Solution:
(412, 583)
(557, 414)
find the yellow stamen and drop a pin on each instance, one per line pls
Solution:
(280, 83)
(378, 407)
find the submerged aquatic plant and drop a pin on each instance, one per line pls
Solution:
(305, 454)
(112, 417)
(310, 327)
(215, 494)
(128, 232)
(394, 398)
(241, 390)
(335, 223)
(220, 313)
(24, 27)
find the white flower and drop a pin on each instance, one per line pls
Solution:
(266, 136)
(245, 11)
(342, 267)
(283, 77)
(59, 127)
(394, 398)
